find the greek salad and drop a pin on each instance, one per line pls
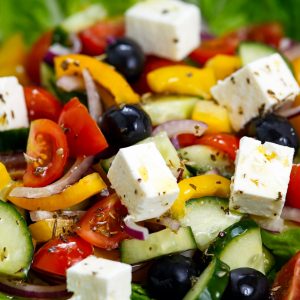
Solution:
(144, 158)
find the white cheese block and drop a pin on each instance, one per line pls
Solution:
(166, 28)
(256, 89)
(143, 181)
(99, 279)
(13, 111)
(261, 178)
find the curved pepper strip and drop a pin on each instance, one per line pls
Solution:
(104, 74)
(6, 183)
(76, 193)
(199, 186)
(183, 80)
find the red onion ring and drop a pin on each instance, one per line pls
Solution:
(274, 225)
(176, 127)
(292, 52)
(135, 230)
(31, 291)
(289, 112)
(291, 214)
(173, 224)
(93, 97)
(70, 83)
(39, 215)
(80, 166)
(76, 43)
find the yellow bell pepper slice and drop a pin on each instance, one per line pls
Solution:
(223, 65)
(296, 67)
(104, 74)
(76, 193)
(199, 186)
(183, 80)
(6, 183)
(214, 115)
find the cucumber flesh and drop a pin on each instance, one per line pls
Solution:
(240, 246)
(200, 158)
(269, 260)
(13, 140)
(207, 217)
(167, 108)
(211, 283)
(16, 247)
(160, 243)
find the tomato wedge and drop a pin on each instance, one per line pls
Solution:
(227, 143)
(57, 255)
(102, 225)
(41, 104)
(82, 132)
(47, 153)
(293, 192)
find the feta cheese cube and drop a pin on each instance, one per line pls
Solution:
(256, 89)
(13, 111)
(261, 178)
(143, 181)
(166, 28)
(99, 279)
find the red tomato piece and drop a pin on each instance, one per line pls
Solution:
(83, 134)
(186, 139)
(59, 254)
(102, 225)
(287, 282)
(94, 39)
(36, 56)
(293, 192)
(47, 152)
(41, 104)
(225, 142)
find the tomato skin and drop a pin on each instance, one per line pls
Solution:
(94, 39)
(186, 139)
(57, 255)
(225, 142)
(36, 56)
(293, 192)
(287, 282)
(47, 144)
(41, 104)
(82, 132)
(99, 235)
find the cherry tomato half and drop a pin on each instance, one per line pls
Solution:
(225, 142)
(94, 39)
(102, 225)
(59, 254)
(293, 192)
(287, 282)
(47, 152)
(83, 135)
(41, 104)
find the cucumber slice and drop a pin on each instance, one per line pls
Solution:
(212, 282)
(16, 248)
(167, 108)
(269, 260)
(208, 216)
(240, 246)
(14, 139)
(158, 244)
(200, 159)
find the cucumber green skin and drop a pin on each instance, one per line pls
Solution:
(6, 210)
(212, 282)
(269, 260)
(160, 243)
(14, 139)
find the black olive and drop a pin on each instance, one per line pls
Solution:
(127, 57)
(170, 277)
(247, 284)
(126, 125)
(275, 129)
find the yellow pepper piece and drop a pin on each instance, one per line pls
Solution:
(214, 115)
(6, 182)
(223, 65)
(45, 230)
(296, 66)
(104, 74)
(78, 192)
(199, 186)
(183, 80)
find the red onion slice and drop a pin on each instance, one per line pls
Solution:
(93, 97)
(291, 214)
(76, 43)
(176, 127)
(70, 83)
(80, 166)
(169, 223)
(22, 289)
(292, 52)
(55, 50)
(39, 215)
(274, 225)
(135, 230)
(289, 112)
